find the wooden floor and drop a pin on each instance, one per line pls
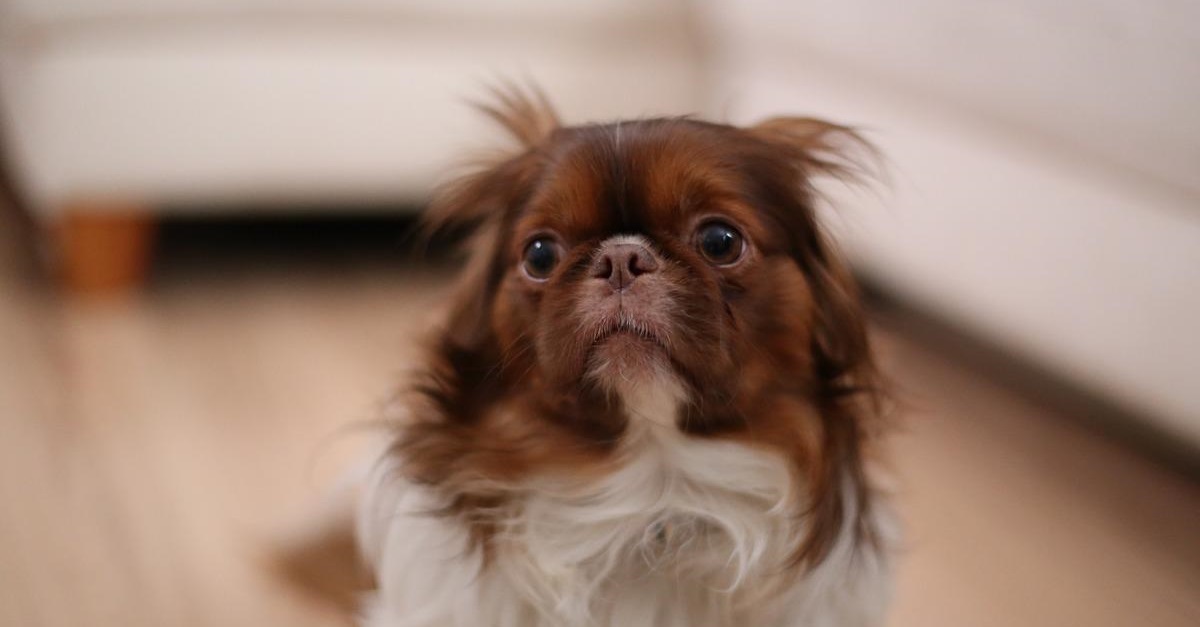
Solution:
(150, 450)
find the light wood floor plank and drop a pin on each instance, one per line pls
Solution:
(149, 451)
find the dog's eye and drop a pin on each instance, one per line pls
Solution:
(541, 256)
(720, 243)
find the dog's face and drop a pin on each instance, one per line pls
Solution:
(656, 249)
(667, 252)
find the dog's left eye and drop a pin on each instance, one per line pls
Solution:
(720, 243)
(541, 256)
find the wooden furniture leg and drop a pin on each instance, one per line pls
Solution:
(104, 249)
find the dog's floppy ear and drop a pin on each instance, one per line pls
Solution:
(482, 204)
(849, 392)
(810, 148)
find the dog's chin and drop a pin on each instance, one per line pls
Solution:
(626, 359)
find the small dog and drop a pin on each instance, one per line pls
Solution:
(653, 401)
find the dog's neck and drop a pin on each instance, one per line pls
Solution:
(652, 402)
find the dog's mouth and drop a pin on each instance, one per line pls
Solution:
(627, 346)
(628, 330)
(626, 356)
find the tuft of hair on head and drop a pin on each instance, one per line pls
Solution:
(464, 203)
(524, 112)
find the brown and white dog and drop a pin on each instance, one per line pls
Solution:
(653, 401)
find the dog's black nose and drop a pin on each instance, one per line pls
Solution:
(620, 263)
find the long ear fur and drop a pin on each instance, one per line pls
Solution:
(849, 391)
(814, 148)
(480, 203)
(820, 147)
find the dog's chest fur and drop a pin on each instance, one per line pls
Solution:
(683, 532)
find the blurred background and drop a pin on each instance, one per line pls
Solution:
(205, 281)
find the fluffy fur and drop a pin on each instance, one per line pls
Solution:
(644, 433)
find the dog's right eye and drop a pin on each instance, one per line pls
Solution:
(541, 257)
(720, 243)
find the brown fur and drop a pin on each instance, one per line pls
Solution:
(773, 349)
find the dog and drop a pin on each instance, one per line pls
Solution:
(653, 400)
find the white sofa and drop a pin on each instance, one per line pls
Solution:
(116, 111)
(1044, 157)
(197, 103)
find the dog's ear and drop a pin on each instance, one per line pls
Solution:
(473, 209)
(481, 206)
(810, 148)
(849, 392)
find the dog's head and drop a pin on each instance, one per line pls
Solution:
(661, 253)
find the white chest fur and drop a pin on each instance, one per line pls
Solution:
(685, 532)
